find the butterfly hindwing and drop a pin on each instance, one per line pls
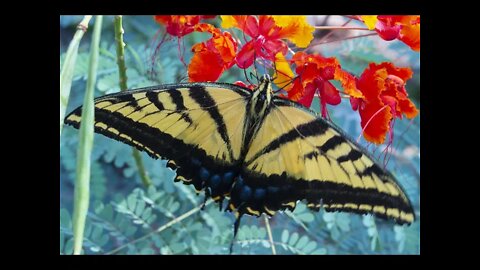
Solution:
(197, 127)
(298, 156)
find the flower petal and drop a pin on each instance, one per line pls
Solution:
(178, 25)
(370, 21)
(329, 93)
(408, 108)
(410, 35)
(386, 31)
(248, 24)
(205, 66)
(228, 21)
(375, 122)
(306, 96)
(296, 29)
(245, 57)
(270, 48)
(267, 27)
(348, 83)
(283, 73)
(242, 84)
(221, 43)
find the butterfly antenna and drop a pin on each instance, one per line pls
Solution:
(276, 71)
(245, 73)
(299, 76)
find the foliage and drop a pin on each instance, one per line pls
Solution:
(123, 215)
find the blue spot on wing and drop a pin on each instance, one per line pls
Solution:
(245, 193)
(214, 181)
(204, 174)
(259, 194)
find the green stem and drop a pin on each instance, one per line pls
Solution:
(141, 168)
(122, 71)
(82, 181)
(122, 68)
(270, 238)
(66, 74)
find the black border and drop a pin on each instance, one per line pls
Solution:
(43, 61)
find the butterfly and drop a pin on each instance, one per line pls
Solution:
(261, 151)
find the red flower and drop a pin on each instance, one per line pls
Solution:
(384, 98)
(213, 56)
(242, 84)
(180, 25)
(404, 28)
(315, 73)
(267, 33)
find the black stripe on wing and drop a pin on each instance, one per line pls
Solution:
(177, 99)
(313, 128)
(207, 103)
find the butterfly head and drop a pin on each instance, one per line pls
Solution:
(262, 96)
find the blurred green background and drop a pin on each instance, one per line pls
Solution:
(122, 210)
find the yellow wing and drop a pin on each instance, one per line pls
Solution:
(297, 156)
(198, 127)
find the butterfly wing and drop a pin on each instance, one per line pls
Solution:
(298, 156)
(198, 127)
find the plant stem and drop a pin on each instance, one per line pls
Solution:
(66, 74)
(162, 228)
(122, 71)
(82, 181)
(331, 32)
(270, 238)
(347, 38)
(339, 28)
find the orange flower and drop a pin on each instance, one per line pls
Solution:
(267, 33)
(315, 73)
(180, 25)
(404, 28)
(384, 98)
(213, 56)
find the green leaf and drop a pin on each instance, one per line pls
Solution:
(65, 218)
(320, 251)
(309, 247)
(140, 206)
(302, 242)
(131, 201)
(178, 248)
(293, 239)
(67, 70)
(285, 236)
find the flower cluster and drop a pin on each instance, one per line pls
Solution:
(278, 42)
(403, 28)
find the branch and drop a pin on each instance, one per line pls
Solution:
(347, 38)
(122, 71)
(82, 181)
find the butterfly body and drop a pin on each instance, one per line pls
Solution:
(261, 151)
